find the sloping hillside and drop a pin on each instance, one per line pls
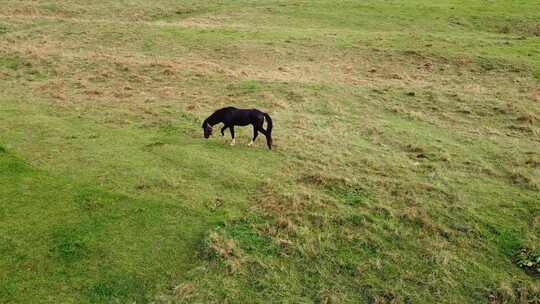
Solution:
(406, 166)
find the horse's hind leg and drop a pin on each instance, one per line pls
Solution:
(268, 138)
(255, 134)
(233, 142)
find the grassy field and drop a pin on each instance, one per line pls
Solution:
(406, 166)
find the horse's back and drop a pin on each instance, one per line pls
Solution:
(227, 109)
(243, 117)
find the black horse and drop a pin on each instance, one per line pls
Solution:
(231, 116)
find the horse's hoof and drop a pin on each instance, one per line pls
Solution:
(250, 144)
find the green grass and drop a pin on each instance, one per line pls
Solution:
(406, 166)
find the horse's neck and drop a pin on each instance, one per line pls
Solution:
(214, 119)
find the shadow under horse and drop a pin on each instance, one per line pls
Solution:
(231, 116)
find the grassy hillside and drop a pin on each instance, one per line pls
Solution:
(406, 166)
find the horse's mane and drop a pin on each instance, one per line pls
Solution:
(223, 110)
(217, 115)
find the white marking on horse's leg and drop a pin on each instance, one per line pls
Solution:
(250, 143)
(233, 142)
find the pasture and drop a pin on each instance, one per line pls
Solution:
(405, 165)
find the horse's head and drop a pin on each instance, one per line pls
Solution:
(207, 129)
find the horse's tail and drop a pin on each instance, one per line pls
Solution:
(268, 130)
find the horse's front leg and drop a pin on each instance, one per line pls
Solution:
(231, 128)
(223, 130)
